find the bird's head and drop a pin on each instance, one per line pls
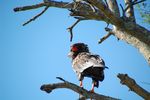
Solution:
(77, 48)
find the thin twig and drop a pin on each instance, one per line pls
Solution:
(123, 11)
(137, 2)
(105, 37)
(70, 29)
(24, 8)
(61, 79)
(35, 17)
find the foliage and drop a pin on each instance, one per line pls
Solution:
(144, 10)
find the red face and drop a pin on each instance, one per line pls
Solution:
(74, 49)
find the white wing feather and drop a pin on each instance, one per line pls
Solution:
(86, 60)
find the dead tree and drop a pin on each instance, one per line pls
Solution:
(124, 28)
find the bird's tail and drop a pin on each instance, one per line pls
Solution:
(106, 67)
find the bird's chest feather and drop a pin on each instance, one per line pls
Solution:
(79, 63)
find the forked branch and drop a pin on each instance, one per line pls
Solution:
(70, 29)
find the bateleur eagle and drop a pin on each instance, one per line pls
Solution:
(86, 64)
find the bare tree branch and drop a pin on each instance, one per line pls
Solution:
(137, 2)
(35, 17)
(113, 6)
(105, 37)
(70, 29)
(134, 3)
(24, 8)
(123, 10)
(50, 4)
(83, 10)
(123, 28)
(130, 39)
(65, 84)
(115, 20)
(126, 26)
(130, 10)
(91, 15)
(133, 86)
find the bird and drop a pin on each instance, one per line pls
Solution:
(86, 64)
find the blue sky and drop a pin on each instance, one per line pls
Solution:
(37, 53)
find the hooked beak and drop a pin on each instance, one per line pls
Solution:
(70, 54)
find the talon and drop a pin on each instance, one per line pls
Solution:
(92, 91)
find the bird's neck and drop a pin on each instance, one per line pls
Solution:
(76, 54)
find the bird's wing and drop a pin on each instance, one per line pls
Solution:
(86, 60)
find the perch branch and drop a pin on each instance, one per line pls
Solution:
(35, 17)
(70, 29)
(133, 86)
(65, 84)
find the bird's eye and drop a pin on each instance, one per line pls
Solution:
(74, 48)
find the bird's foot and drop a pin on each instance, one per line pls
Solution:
(92, 91)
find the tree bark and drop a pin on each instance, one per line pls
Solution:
(133, 86)
(124, 27)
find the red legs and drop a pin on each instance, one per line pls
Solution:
(92, 90)
(93, 84)
(81, 84)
